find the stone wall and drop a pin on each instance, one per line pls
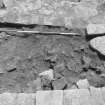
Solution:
(69, 13)
(96, 96)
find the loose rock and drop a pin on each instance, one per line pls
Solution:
(48, 74)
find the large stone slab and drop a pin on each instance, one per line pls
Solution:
(98, 44)
(17, 99)
(7, 98)
(95, 29)
(103, 93)
(49, 97)
(69, 13)
(92, 96)
(26, 99)
(96, 96)
(77, 97)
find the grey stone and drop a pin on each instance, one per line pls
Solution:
(59, 84)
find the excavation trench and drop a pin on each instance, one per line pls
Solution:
(22, 59)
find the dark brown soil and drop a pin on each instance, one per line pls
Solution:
(71, 58)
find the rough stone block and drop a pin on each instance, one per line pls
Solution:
(103, 93)
(49, 97)
(96, 96)
(68, 13)
(95, 28)
(17, 99)
(25, 99)
(7, 98)
(77, 97)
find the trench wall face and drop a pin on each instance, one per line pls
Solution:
(69, 13)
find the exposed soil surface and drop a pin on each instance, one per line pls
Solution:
(70, 57)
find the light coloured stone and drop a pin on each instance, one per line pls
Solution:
(2, 13)
(83, 84)
(49, 12)
(98, 44)
(17, 99)
(96, 96)
(103, 93)
(34, 4)
(7, 98)
(77, 97)
(46, 11)
(95, 28)
(68, 21)
(48, 73)
(85, 12)
(25, 99)
(49, 97)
